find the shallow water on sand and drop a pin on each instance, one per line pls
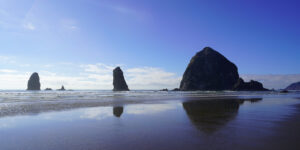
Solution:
(140, 120)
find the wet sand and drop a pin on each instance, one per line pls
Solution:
(230, 122)
(288, 133)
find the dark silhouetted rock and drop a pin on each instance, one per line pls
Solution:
(118, 111)
(294, 86)
(164, 89)
(176, 89)
(248, 86)
(284, 91)
(34, 82)
(48, 89)
(253, 100)
(62, 88)
(119, 81)
(209, 70)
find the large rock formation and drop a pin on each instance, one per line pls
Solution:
(209, 70)
(294, 86)
(248, 86)
(119, 81)
(34, 82)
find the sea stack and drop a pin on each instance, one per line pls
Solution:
(34, 82)
(119, 80)
(248, 86)
(209, 70)
(62, 88)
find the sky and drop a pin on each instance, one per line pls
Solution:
(77, 43)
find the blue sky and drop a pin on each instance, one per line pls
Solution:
(82, 40)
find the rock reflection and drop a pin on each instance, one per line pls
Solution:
(118, 111)
(147, 109)
(210, 115)
(253, 100)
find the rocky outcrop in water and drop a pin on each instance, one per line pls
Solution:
(48, 89)
(164, 90)
(284, 91)
(119, 82)
(34, 82)
(209, 70)
(176, 89)
(62, 88)
(294, 86)
(241, 85)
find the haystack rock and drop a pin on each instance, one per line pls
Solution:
(119, 81)
(209, 70)
(294, 86)
(241, 85)
(34, 82)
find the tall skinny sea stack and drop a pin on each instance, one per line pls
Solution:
(34, 82)
(119, 81)
(209, 70)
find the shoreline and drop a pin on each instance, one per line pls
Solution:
(36, 103)
(44, 106)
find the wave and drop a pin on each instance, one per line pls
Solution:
(19, 102)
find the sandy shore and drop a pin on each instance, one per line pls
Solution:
(287, 133)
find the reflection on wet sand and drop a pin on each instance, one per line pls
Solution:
(210, 115)
(118, 111)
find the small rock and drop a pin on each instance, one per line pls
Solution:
(164, 89)
(284, 91)
(62, 88)
(48, 89)
(176, 89)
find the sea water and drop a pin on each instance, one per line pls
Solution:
(146, 119)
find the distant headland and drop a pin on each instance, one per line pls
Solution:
(293, 86)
